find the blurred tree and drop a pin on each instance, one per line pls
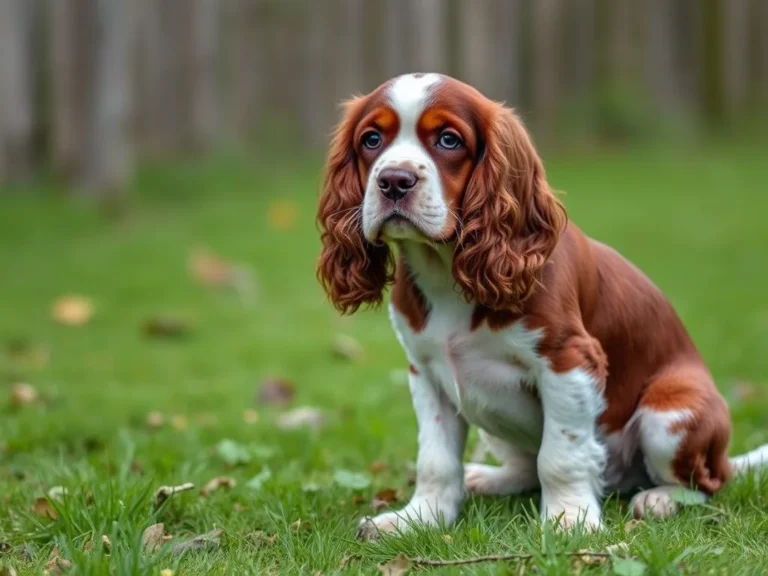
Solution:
(16, 89)
(736, 42)
(205, 80)
(546, 59)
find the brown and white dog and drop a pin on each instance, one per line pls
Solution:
(574, 366)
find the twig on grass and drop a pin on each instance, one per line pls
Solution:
(500, 558)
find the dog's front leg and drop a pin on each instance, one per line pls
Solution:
(571, 459)
(439, 470)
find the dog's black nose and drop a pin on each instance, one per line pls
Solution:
(395, 183)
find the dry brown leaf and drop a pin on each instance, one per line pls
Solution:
(632, 524)
(8, 571)
(167, 326)
(347, 348)
(88, 546)
(585, 558)
(276, 392)
(153, 537)
(282, 214)
(384, 498)
(347, 560)
(237, 507)
(107, 543)
(398, 566)
(250, 416)
(72, 310)
(56, 564)
(303, 417)
(210, 269)
(155, 419)
(377, 467)
(43, 509)
(164, 492)
(216, 483)
(179, 422)
(23, 394)
(208, 541)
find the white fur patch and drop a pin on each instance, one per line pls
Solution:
(658, 444)
(425, 207)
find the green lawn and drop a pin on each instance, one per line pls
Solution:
(695, 222)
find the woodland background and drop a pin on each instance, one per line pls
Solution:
(90, 88)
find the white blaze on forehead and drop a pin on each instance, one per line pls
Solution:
(409, 95)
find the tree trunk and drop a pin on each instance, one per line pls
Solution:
(16, 89)
(205, 100)
(109, 161)
(429, 20)
(736, 42)
(477, 64)
(546, 60)
(394, 37)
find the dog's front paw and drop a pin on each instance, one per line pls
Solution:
(568, 515)
(424, 511)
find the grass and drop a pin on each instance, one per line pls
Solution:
(694, 221)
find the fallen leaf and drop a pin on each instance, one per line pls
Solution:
(303, 417)
(276, 392)
(383, 498)
(347, 348)
(56, 564)
(237, 507)
(137, 467)
(88, 546)
(179, 422)
(628, 567)
(377, 467)
(107, 543)
(43, 509)
(155, 419)
(398, 566)
(257, 482)
(632, 524)
(347, 560)
(210, 269)
(250, 416)
(153, 537)
(351, 480)
(216, 483)
(164, 492)
(447, 538)
(688, 497)
(282, 214)
(233, 453)
(586, 559)
(23, 394)
(166, 572)
(208, 541)
(167, 326)
(57, 493)
(72, 310)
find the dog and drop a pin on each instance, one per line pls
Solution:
(573, 365)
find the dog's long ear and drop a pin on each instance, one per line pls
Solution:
(512, 220)
(353, 271)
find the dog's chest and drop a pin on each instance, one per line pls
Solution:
(489, 376)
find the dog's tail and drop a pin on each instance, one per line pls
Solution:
(752, 460)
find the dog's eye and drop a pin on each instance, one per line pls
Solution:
(449, 140)
(372, 140)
